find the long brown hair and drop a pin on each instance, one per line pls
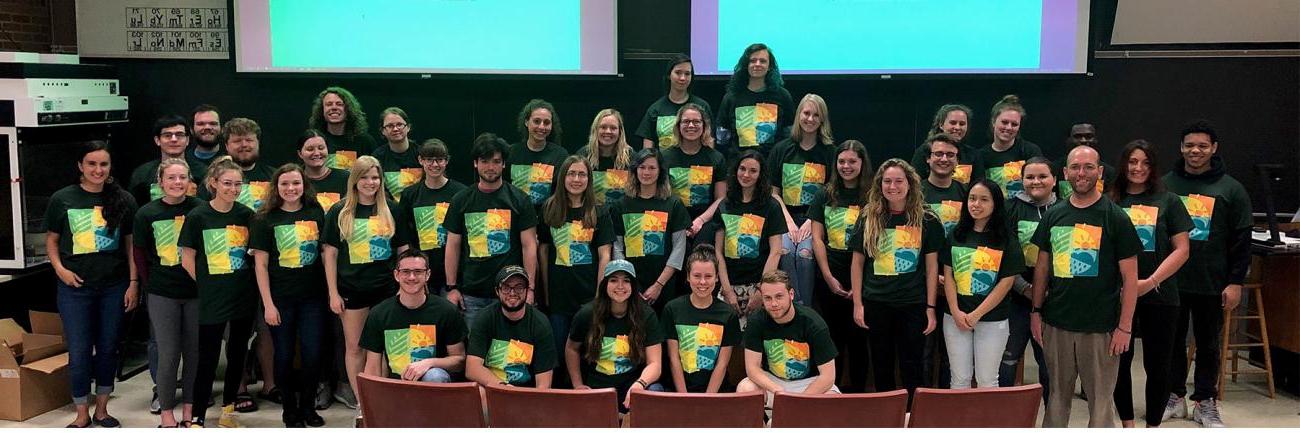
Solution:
(876, 213)
(273, 199)
(555, 210)
(1120, 189)
(863, 183)
(600, 311)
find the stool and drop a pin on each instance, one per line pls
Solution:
(1231, 351)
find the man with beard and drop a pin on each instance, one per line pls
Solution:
(1082, 134)
(1088, 247)
(512, 345)
(942, 194)
(206, 124)
(490, 225)
(422, 337)
(795, 331)
(339, 115)
(171, 135)
(1210, 281)
(243, 146)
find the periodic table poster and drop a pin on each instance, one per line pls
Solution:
(167, 29)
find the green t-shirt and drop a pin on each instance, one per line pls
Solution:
(87, 246)
(700, 335)
(969, 166)
(332, 188)
(1219, 208)
(516, 352)
(800, 174)
(1024, 218)
(365, 258)
(404, 335)
(257, 185)
(756, 120)
(745, 229)
(898, 275)
(947, 203)
(1006, 168)
(793, 350)
(144, 180)
(647, 227)
(609, 182)
(424, 210)
(222, 266)
(615, 368)
(693, 176)
(344, 149)
(574, 250)
(534, 172)
(1157, 217)
(1063, 187)
(158, 232)
(401, 170)
(291, 241)
(978, 264)
(661, 117)
(490, 224)
(1086, 246)
(840, 222)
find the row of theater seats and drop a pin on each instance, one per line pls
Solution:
(404, 404)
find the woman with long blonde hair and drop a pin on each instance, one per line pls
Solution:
(798, 167)
(357, 252)
(608, 155)
(894, 295)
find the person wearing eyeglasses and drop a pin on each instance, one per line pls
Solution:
(171, 134)
(424, 209)
(945, 196)
(414, 336)
(512, 345)
(400, 158)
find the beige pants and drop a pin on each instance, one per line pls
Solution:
(1084, 356)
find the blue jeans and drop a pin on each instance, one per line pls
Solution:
(797, 261)
(473, 305)
(560, 325)
(302, 327)
(436, 375)
(92, 319)
(1016, 341)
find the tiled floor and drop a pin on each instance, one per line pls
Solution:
(1246, 404)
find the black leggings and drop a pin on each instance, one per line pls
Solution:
(895, 332)
(1155, 324)
(850, 340)
(209, 350)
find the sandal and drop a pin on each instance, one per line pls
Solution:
(244, 403)
(107, 422)
(274, 395)
(75, 425)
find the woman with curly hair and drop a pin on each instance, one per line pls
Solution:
(531, 163)
(757, 110)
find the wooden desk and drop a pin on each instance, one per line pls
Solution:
(1280, 274)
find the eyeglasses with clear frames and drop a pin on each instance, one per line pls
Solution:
(171, 135)
(393, 126)
(412, 272)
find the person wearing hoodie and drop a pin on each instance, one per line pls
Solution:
(1210, 282)
(1083, 134)
(1024, 211)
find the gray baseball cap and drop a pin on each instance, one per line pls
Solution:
(619, 266)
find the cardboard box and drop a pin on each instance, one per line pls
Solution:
(33, 367)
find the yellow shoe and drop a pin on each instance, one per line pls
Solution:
(229, 419)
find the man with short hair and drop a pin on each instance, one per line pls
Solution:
(421, 337)
(489, 226)
(171, 135)
(1089, 248)
(1210, 282)
(338, 115)
(424, 209)
(511, 344)
(944, 196)
(784, 342)
(206, 123)
(242, 143)
(1082, 134)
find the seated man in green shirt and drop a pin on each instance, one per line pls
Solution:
(512, 343)
(784, 341)
(421, 336)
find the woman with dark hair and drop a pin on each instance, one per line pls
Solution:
(798, 168)
(1004, 158)
(894, 292)
(1024, 210)
(1163, 225)
(980, 263)
(331, 184)
(696, 171)
(284, 239)
(88, 232)
(756, 110)
(749, 241)
(616, 340)
(172, 296)
(954, 120)
(702, 332)
(650, 229)
(531, 163)
(424, 209)
(399, 156)
(338, 114)
(575, 244)
(834, 215)
(214, 252)
(660, 121)
(608, 155)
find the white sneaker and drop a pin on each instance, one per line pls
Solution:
(1176, 407)
(1206, 413)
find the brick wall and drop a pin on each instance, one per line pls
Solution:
(25, 26)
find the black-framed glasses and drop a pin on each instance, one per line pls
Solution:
(949, 155)
(513, 288)
(170, 135)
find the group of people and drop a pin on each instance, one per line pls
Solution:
(748, 234)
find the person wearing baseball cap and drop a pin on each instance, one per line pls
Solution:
(511, 341)
(616, 340)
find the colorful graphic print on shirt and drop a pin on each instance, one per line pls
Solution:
(698, 346)
(297, 243)
(756, 124)
(572, 243)
(534, 180)
(614, 356)
(1075, 251)
(1201, 209)
(787, 359)
(1144, 219)
(488, 232)
(226, 249)
(975, 269)
(1008, 176)
(428, 225)
(801, 182)
(90, 231)
(693, 185)
(509, 361)
(744, 234)
(645, 233)
(166, 238)
(370, 241)
(900, 251)
(412, 344)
